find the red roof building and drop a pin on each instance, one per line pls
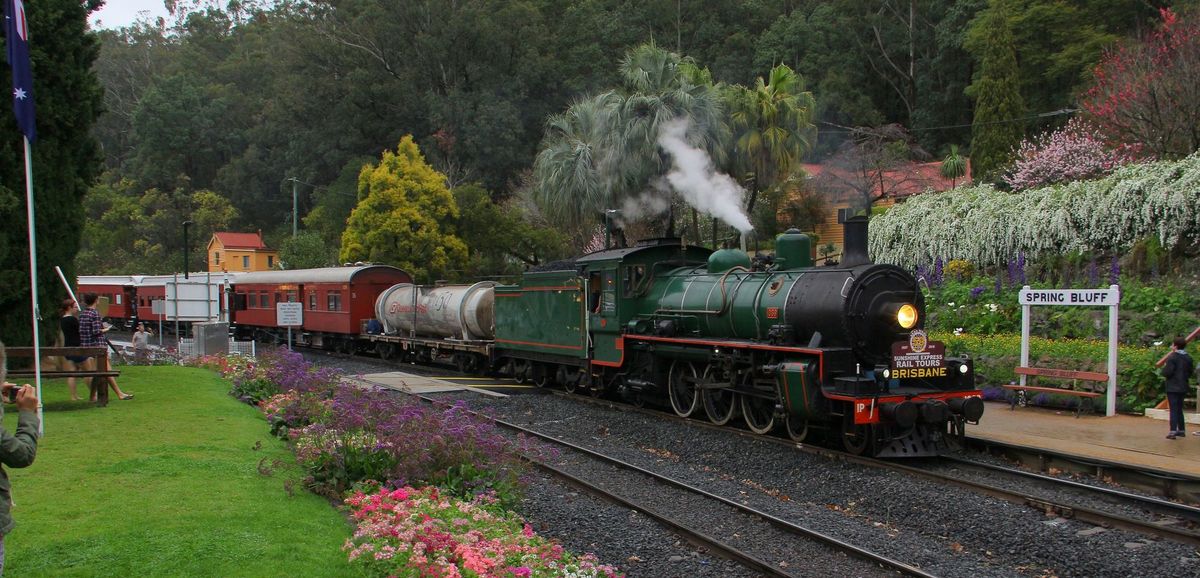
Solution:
(240, 252)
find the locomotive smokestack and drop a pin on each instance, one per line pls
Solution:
(854, 242)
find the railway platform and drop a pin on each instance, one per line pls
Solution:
(421, 384)
(1133, 440)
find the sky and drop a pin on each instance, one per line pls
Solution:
(121, 13)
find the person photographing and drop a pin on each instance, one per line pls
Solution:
(1178, 371)
(16, 450)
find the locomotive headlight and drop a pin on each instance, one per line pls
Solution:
(887, 374)
(963, 368)
(906, 316)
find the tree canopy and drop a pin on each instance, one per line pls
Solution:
(238, 99)
(405, 217)
(65, 163)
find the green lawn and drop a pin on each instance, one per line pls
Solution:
(182, 480)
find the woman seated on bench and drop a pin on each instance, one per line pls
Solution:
(91, 334)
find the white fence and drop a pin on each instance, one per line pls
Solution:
(187, 348)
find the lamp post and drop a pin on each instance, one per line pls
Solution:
(295, 181)
(186, 224)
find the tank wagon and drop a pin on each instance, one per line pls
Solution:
(454, 323)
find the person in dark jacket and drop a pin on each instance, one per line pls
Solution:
(1178, 371)
(16, 450)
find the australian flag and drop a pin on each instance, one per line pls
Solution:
(16, 38)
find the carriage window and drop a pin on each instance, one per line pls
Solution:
(278, 297)
(292, 297)
(263, 300)
(312, 301)
(118, 298)
(335, 300)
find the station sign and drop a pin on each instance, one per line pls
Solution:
(918, 357)
(1088, 297)
(289, 314)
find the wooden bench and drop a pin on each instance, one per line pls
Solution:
(1075, 376)
(98, 378)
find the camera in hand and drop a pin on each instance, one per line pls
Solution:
(10, 394)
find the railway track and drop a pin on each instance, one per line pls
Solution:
(756, 539)
(1103, 507)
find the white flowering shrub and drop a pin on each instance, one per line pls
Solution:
(991, 227)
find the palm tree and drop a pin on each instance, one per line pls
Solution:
(603, 151)
(772, 129)
(571, 174)
(954, 166)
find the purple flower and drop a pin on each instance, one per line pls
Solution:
(976, 292)
(1114, 272)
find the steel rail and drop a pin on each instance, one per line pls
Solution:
(1165, 507)
(694, 536)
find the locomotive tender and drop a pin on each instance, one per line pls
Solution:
(777, 340)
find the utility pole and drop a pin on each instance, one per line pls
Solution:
(186, 224)
(294, 207)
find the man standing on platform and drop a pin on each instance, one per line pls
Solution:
(1178, 371)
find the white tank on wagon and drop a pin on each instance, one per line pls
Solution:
(456, 311)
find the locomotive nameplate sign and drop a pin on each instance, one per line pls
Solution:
(918, 357)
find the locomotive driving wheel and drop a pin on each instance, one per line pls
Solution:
(797, 428)
(539, 375)
(857, 439)
(681, 384)
(720, 404)
(759, 413)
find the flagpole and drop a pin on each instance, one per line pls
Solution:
(33, 283)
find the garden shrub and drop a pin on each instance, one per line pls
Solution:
(988, 227)
(417, 533)
(1138, 383)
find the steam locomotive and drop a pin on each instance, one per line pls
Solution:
(778, 341)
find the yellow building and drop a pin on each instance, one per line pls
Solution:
(240, 252)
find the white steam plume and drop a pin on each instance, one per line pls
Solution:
(693, 175)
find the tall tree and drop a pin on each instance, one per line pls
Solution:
(405, 216)
(1146, 92)
(65, 161)
(998, 126)
(772, 129)
(603, 152)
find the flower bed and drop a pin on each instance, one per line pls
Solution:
(418, 533)
(346, 438)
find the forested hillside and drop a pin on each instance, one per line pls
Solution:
(217, 114)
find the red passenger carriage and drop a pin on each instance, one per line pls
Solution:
(337, 300)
